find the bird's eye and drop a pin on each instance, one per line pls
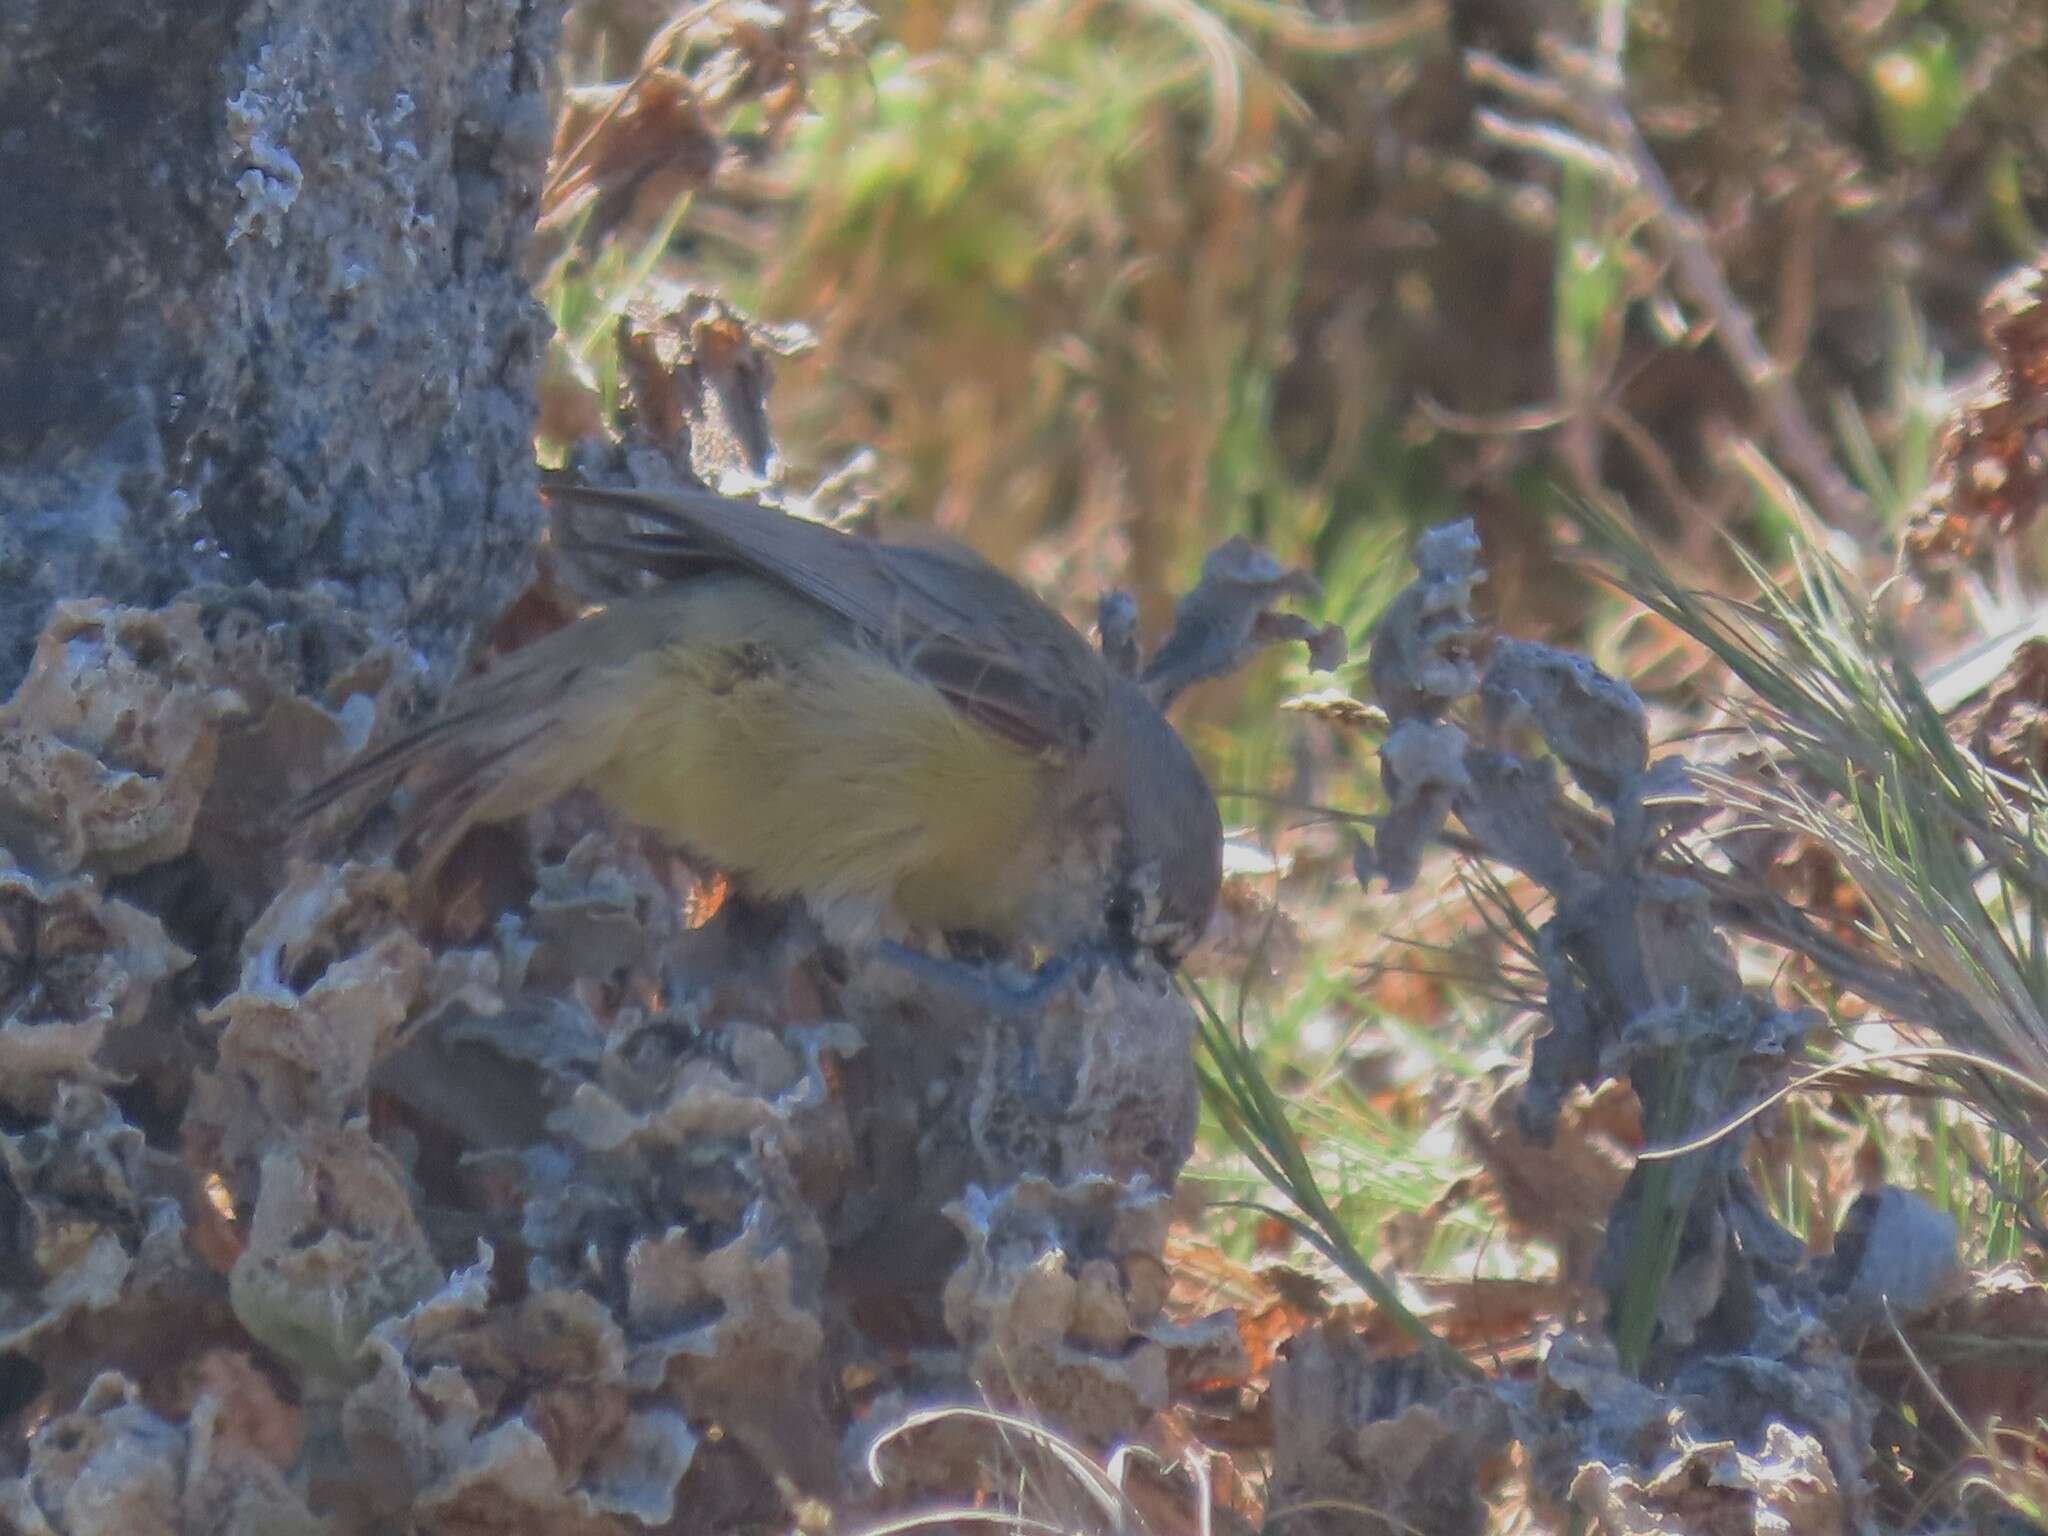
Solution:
(1120, 917)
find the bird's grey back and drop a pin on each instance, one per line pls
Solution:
(1001, 655)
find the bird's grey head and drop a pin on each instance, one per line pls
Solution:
(1169, 865)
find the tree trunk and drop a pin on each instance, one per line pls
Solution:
(263, 312)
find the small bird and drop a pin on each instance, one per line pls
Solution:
(899, 734)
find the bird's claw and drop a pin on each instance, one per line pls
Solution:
(995, 993)
(1019, 1000)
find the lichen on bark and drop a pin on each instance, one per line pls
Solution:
(264, 312)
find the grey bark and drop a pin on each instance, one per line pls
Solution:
(263, 311)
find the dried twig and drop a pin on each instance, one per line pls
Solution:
(1792, 430)
(1599, 133)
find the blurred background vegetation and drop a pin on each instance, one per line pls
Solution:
(1102, 283)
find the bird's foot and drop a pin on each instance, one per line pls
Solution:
(981, 984)
(1017, 1002)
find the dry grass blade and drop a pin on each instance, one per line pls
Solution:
(1079, 1495)
(572, 160)
(1235, 1088)
(1951, 857)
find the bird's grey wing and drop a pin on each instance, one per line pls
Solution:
(997, 653)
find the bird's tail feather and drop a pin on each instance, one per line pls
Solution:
(536, 730)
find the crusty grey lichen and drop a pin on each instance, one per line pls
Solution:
(1377, 1445)
(74, 967)
(1743, 1442)
(1551, 776)
(1054, 1297)
(477, 1415)
(96, 1223)
(409, 1146)
(113, 1467)
(108, 745)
